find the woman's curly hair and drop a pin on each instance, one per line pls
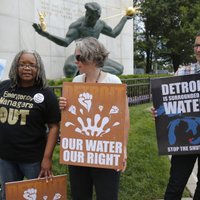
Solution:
(40, 80)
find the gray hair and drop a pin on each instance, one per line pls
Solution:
(40, 80)
(92, 51)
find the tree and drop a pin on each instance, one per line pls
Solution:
(169, 30)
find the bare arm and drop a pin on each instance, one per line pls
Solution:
(46, 165)
(107, 30)
(127, 127)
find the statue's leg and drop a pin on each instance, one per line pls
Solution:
(70, 68)
(113, 67)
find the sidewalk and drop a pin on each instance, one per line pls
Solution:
(191, 185)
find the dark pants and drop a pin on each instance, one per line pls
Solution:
(105, 181)
(13, 171)
(181, 168)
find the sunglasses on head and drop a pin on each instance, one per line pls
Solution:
(78, 57)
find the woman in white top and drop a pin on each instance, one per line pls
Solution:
(90, 57)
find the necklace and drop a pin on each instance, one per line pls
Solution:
(96, 79)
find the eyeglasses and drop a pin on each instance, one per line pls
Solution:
(78, 58)
(196, 45)
(31, 66)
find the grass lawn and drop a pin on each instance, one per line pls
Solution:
(147, 173)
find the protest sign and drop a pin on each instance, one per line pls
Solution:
(176, 100)
(38, 189)
(93, 127)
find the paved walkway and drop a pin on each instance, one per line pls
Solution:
(191, 185)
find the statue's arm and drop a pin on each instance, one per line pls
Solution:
(107, 30)
(71, 35)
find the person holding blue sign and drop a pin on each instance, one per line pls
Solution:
(182, 165)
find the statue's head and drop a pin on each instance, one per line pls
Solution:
(93, 7)
(93, 13)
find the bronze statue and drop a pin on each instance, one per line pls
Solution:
(87, 26)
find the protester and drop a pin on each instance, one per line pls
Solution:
(182, 165)
(89, 25)
(27, 110)
(90, 57)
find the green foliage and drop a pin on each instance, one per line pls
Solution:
(147, 173)
(59, 81)
(142, 76)
(169, 30)
(59, 169)
(138, 84)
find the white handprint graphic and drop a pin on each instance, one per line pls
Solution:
(57, 196)
(30, 194)
(85, 100)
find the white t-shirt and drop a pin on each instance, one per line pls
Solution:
(104, 78)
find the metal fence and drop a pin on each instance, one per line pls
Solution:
(138, 90)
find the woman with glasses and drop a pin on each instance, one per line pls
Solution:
(27, 108)
(90, 57)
